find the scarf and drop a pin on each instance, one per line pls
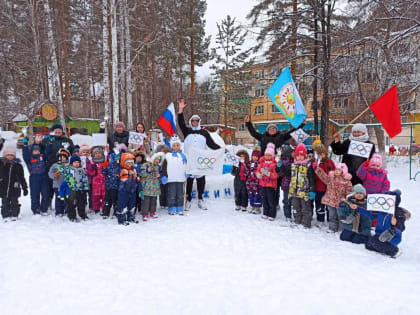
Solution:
(182, 155)
(305, 161)
(363, 138)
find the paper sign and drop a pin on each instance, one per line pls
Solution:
(135, 138)
(381, 203)
(231, 158)
(205, 162)
(299, 135)
(99, 139)
(361, 149)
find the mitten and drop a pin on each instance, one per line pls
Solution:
(141, 195)
(348, 219)
(279, 164)
(312, 195)
(387, 235)
(56, 174)
(366, 163)
(164, 180)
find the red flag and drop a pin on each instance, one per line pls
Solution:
(387, 110)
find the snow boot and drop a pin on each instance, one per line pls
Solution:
(153, 215)
(243, 209)
(202, 205)
(188, 206)
(145, 217)
(172, 210)
(237, 208)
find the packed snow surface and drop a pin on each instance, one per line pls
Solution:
(208, 262)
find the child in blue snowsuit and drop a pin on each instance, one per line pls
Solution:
(140, 159)
(388, 231)
(127, 190)
(38, 179)
(63, 159)
(112, 182)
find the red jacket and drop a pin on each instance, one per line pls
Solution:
(97, 178)
(268, 181)
(326, 167)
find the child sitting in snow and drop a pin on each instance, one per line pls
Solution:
(373, 176)
(127, 190)
(173, 170)
(338, 187)
(150, 174)
(140, 160)
(38, 179)
(284, 170)
(97, 178)
(12, 180)
(252, 184)
(327, 165)
(388, 231)
(302, 187)
(239, 184)
(267, 176)
(356, 226)
(78, 184)
(63, 157)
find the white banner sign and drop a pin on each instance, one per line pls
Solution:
(135, 138)
(205, 162)
(361, 149)
(99, 139)
(381, 203)
(299, 135)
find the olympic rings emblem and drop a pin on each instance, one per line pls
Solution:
(360, 148)
(206, 162)
(381, 203)
(230, 157)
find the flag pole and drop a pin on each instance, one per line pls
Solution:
(356, 118)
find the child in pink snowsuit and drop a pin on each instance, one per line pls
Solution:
(94, 170)
(373, 176)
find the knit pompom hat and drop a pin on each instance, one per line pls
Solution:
(359, 127)
(256, 152)
(300, 150)
(174, 139)
(84, 147)
(272, 126)
(75, 158)
(270, 149)
(376, 160)
(359, 189)
(343, 167)
(9, 151)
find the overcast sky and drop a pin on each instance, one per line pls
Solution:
(218, 10)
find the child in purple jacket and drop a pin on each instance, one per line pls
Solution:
(252, 183)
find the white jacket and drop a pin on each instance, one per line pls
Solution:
(175, 168)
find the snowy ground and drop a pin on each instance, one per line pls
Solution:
(209, 262)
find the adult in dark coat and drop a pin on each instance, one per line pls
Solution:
(120, 136)
(52, 144)
(359, 133)
(271, 135)
(1, 143)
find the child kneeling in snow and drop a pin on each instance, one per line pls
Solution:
(127, 190)
(388, 231)
(302, 187)
(356, 226)
(239, 183)
(267, 176)
(173, 170)
(338, 187)
(150, 174)
(78, 184)
(252, 184)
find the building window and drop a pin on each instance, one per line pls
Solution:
(259, 74)
(259, 110)
(259, 92)
(274, 109)
(242, 127)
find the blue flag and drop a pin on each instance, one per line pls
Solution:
(285, 96)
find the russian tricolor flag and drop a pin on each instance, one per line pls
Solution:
(168, 120)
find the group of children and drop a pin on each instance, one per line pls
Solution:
(118, 183)
(319, 184)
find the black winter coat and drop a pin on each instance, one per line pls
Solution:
(50, 147)
(119, 138)
(1, 143)
(353, 162)
(12, 178)
(278, 139)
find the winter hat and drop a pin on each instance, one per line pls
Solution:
(57, 126)
(270, 149)
(397, 194)
(343, 167)
(75, 158)
(300, 150)
(120, 124)
(310, 151)
(256, 152)
(101, 159)
(359, 189)
(376, 160)
(359, 127)
(140, 153)
(9, 151)
(158, 155)
(244, 152)
(175, 139)
(286, 150)
(63, 152)
(316, 142)
(84, 147)
(76, 148)
(272, 126)
(36, 147)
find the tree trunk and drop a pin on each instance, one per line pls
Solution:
(129, 84)
(53, 73)
(326, 42)
(114, 39)
(294, 36)
(122, 63)
(105, 55)
(315, 82)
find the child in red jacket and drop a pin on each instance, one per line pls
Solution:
(267, 176)
(327, 165)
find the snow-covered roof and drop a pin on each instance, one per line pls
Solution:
(20, 117)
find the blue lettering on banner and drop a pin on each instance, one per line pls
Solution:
(206, 194)
(216, 193)
(227, 192)
(194, 194)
